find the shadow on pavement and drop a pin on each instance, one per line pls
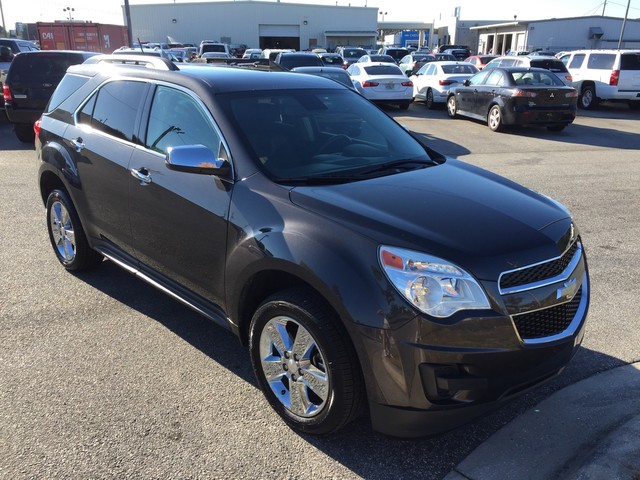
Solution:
(357, 447)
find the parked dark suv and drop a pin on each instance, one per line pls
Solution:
(356, 263)
(31, 79)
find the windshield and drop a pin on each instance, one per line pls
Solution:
(322, 135)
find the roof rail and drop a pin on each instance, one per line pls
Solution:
(148, 61)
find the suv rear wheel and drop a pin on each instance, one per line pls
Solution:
(588, 99)
(24, 132)
(305, 365)
(66, 234)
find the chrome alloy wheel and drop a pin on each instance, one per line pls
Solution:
(294, 367)
(62, 231)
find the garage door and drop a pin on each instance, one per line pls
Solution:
(279, 30)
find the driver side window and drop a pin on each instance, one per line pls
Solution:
(178, 119)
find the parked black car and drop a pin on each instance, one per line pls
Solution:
(31, 80)
(356, 263)
(289, 60)
(515, 96)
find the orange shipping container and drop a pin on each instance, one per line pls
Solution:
(90, 37)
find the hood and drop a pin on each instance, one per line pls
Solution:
(469, 216)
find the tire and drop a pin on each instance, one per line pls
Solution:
(429, 99)
(452, 107)
(588, 99)
(294, 331)
(24, 132)
(66, 234)
(404, 105)
(494, 119)
(556, 128)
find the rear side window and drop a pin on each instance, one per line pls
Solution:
(601, 61)
(630, 61)
(69, 84)
(114, 108)
(576, 61)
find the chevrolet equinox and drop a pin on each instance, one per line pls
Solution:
(360, 267)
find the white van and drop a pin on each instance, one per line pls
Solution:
(612, 75)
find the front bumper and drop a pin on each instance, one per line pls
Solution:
(430, 376)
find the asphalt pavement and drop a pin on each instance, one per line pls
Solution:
(587, 431)
(104, 377)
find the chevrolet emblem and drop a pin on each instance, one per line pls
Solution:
(568, 289)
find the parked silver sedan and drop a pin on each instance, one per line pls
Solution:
(432, 82)
(382, 82)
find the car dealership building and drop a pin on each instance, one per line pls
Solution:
(257, 24)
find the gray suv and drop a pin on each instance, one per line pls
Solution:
(360, 267)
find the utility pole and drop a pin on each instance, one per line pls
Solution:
(603, 7)
(127, 13)
(624, 22)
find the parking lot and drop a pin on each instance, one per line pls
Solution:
(104, 377)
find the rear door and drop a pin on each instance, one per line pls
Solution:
(101, 142)
(179, 220)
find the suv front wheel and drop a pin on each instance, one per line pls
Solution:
(305, 366)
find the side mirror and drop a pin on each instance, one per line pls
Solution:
(196, 159)
(466, 83)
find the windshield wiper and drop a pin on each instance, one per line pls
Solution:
(320, 180)
(405, 164)
(360, 173)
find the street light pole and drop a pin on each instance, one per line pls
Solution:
(4, 29)
(68, 10)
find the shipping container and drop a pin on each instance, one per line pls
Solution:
(90, 37)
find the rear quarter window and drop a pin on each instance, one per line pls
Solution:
(601, 61)
(630, 61)
(69, 84)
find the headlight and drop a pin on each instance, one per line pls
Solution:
(432, 285)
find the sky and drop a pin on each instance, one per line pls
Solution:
(110, 11)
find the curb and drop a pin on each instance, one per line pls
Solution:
(576, 433)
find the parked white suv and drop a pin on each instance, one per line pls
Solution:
(612, 75)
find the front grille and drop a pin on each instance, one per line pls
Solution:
(547, 322)
(540, 272)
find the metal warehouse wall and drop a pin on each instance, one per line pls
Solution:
(238, 22)
(574, 33)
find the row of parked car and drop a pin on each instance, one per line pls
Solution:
(432, 78)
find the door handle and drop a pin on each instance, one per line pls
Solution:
(142, 175)
(77, 143)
